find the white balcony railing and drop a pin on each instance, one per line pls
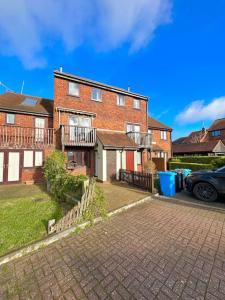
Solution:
(25, 137)
(143, 140)
(78, 136)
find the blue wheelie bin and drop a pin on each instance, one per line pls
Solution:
(168, 183)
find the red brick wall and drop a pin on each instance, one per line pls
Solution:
(164, 144)
(109, 115)
(26, 120)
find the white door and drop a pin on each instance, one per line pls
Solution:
(39, 131)
(14, 166)
(1, 166)
(96, 163)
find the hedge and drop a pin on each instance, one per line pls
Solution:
(196, 159)
(191, 166)
(219, 162)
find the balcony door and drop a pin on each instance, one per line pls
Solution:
(80, 128)
(136, 131)
(39, 129)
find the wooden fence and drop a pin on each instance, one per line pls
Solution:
(76, 212)
(139, 179)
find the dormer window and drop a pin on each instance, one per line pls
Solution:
(120, 100)
(96, 95)
(74, 89)
(216, 133)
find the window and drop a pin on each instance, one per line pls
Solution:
(28, 159)
(74, 89)
(10, 118)
(216, 133)
(29, 102)
(149, 131)
(96, 94)
(163, 135)
(139, 157)
(133, 128)
(120, 100)
(81, 158)
(38, 158)
(137, 104)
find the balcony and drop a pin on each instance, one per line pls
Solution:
(143, 140)
(78, 136)
(25, 137)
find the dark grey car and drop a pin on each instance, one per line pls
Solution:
(207, 185)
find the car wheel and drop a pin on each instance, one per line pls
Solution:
(205, 191)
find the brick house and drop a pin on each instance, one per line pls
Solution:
(101, 128)
(26, 137)
(161, 137)
(209, 141)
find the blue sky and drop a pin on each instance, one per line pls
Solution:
(172, 51)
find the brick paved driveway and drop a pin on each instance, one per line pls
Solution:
(157, 250)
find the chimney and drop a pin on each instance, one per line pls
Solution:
(60, 69)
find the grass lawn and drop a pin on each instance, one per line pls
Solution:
(24, 214)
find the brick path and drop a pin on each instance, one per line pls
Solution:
(157, 250)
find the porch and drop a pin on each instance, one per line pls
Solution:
(25, 137)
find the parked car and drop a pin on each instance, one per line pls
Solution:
(207, 185)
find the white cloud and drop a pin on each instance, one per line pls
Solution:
(28, 27)
(200, 111)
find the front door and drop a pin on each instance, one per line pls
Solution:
(2, 156)
(13, 166)
(130, 160)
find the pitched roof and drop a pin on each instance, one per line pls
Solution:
(217, 125)
(94, 83)
(195, 147)
(180, 140)
(14, 102)
(115, 140)
(153, 123)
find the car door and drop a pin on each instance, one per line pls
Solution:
(219, 176)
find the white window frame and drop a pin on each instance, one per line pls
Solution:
(8, 115)
(28, 158)
(98, 94)
(163, 135)
(74, 91)
(119, 102)
(137, 104)
(36, 163)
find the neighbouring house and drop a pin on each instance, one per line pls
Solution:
(161, 137)
(101, 128)
(209, 141)
(26, 137)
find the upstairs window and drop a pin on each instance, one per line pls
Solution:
(120, 100)
(10, 118)
(216, 133)
(96, 95)
(74, 89)
(163, 135)
(137, 104)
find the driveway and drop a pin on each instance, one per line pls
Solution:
(157, 250)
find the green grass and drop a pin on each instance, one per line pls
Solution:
(24, 214)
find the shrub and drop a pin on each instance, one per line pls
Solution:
(218, 162)
(55, 173)
(191, 166)
(195, 159)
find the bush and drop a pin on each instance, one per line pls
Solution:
(191, 166)
(218, 162)
(195, 159)
(60, 181)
